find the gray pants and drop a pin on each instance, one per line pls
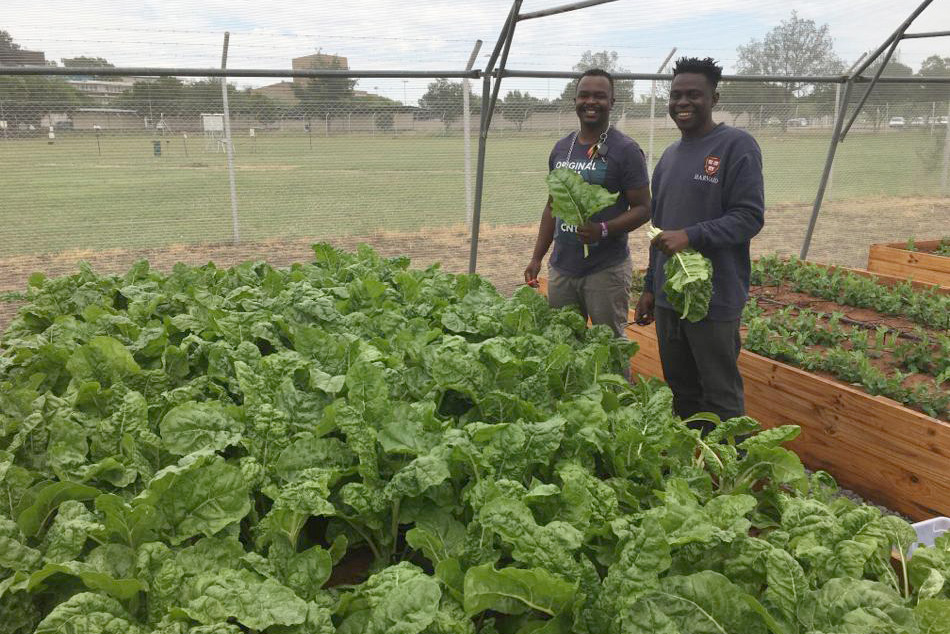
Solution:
(699, 364)
(604, 296)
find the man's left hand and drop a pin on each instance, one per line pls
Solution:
(671, 242)
(589, 233)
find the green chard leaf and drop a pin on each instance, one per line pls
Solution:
(195, 426)
(240, 594)
(516, 591)
(89, 613)
(200, 495)
(573, 199)
(688, 284)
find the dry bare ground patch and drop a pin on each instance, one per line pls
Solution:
(843, 233)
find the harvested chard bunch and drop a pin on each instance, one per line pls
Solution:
(688, 281)
(574, 200)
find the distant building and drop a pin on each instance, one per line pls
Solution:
(22, 57)
(282, 91)
(100, 91)
(318, 61)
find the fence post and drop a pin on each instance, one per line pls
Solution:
(229, 147)
(945, 177)
(653, 108)
(831, 173)
(467, 134)
(829, 161)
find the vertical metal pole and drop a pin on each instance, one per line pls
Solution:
(479, 173)
(831, 176)
(835, 139)
(653, 108)
(945, 176)
(487, 103)
(229, 146)
(467, 133)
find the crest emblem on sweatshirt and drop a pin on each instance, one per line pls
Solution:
(712, 165)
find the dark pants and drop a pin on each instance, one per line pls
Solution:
(699, 364)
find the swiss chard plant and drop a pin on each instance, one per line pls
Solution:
(574, 200)
(689, 283)
(351, 446)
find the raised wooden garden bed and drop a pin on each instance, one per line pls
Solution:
(890, 454)
(884, 451)
(920, 265)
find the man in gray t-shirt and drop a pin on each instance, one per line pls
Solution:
(708, 195)
(599, 282)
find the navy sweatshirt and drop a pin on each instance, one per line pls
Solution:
(713, 188)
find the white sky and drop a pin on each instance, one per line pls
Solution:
(440, 34)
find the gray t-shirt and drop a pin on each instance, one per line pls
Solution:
(623, 168)
(713, 188)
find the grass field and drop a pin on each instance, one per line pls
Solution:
(67, 196)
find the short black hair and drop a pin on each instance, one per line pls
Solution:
(596, 72)
(706, 66)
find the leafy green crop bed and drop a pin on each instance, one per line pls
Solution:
(910, 366)
(217, 451)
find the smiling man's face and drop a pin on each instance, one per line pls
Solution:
(594, 100)
(692, 100)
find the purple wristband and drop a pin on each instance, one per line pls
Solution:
(603, 230)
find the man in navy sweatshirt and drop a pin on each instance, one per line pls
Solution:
(708, 194)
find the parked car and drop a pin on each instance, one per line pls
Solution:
(942, 120)
(897, 122)
(797, 122)
(917, 122)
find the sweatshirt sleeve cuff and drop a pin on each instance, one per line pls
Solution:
(695, 235)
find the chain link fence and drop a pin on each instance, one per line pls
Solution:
(112, 170)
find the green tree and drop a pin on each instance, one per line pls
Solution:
(252, 104)
(25, 99)
(762, 102)
(443, 99)
(90, 62)
(87, 62)
(171, 96)
(7, 45)
(385, 121)
(518, 107)
(796, 47)
(604, 60)
(152, 98)
(892, 93)
(935, 66)
(325, 97)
